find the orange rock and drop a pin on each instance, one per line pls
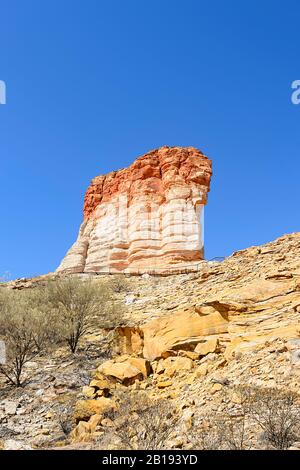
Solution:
(84, 409)
(144, 217)
(171, 365)
(209, 345)
(179, 330)
(126, 369)
(165, 384)
(84, 429)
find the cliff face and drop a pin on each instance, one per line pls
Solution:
(144, 217)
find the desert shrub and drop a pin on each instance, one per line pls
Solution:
(142, 423)
(80, 305)
(206, 434)
(234, 432)
(271, 410)
(119, 284)
(224, 431)
(63, 310)
(277, 413)
(227, 428)
(46, 327)
(24, 329)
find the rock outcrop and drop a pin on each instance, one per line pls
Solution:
(251, 297)
(183, 330)
(146, 217)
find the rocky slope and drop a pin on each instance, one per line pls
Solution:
(144, 217)
(189, 339)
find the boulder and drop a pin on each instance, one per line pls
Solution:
(202, 370)
(101, 385)
(126, 369)
(84, 429)
(216, 388)
(181, 330)
(209, 345)
(171, 365)
(10, 407)
(164, 384)
(88, 391)
(84, 409)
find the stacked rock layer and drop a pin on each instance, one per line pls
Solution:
(145, 217)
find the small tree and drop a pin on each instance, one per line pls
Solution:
(24, 331)
(79, 305)
(46, 328)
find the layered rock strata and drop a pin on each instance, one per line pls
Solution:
(146, 217)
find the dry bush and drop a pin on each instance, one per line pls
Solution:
(143, 424)
(234, 429)
(271, 410)
(80, 306)
(226, 429)
(119, 284)
(46, 328)
(25, 329)
(277, 413)
(235, 421)
(207, 434)
(221, 432)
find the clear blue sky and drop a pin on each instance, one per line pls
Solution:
(93, 84)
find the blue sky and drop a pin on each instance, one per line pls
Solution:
(93, 84)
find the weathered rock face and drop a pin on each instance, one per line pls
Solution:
(144, 217)
(234, 306)
(181, 330)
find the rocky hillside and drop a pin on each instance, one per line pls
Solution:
(192, 341)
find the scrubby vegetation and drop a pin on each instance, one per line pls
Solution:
(141, 423)
(79, 305)
(60, 311)
(119, 284)
(264, 417)
(24, 330)
(259, 418)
